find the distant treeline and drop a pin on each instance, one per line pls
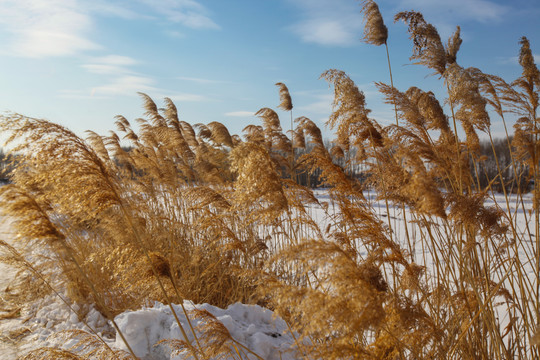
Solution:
(515, 175)
(6, 166)
(484, 167)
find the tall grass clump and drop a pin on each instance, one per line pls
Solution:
(446, 268)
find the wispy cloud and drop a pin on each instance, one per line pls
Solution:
(474, 10)
(110, 65)
(45, 28)
(199, 80)
(322, 104)
(77, 94)
(120, 78)
(182, 97)
(130, 85)
(175, 34)
(514, 60)
(339, 22)
(240, 114)
(328, 22)
(119, 60)
(189, 13)
(125, 85)
(325, 32)
(112, 8)
(42, 28)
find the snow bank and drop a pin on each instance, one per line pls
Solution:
(51, 315)
(253, 326)
(257, 328)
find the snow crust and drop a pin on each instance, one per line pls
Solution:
(251, 325)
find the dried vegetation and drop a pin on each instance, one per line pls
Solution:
(193, 212)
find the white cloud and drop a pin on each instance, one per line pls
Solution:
(41, 28)
(240, 113)
(328, 22)
(45, 28)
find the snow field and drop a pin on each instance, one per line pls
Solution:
(252, 326)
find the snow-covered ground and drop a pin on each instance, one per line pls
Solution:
(252, 327)
(9, 346)
(37, 325)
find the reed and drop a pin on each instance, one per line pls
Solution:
(214, 217)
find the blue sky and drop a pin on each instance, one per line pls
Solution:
(81, 62)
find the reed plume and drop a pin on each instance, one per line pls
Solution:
(526, 94)
(285, 97)
(350, 115)
(428, 49)
(526, 60)
(465, 93)
(452, 48)
(220, 134)
(257, 180)
(375, 32)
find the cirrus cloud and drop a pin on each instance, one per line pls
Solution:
(240, 113)
(328, 22)
(52, 28)
(43, 28)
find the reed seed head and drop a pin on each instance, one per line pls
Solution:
(285, 97)
(375, 32)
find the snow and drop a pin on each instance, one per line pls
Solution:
(9, 349)
(254, 327)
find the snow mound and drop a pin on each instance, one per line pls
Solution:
(50, 315)
(255, 327)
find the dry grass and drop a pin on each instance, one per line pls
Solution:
(212, 217)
